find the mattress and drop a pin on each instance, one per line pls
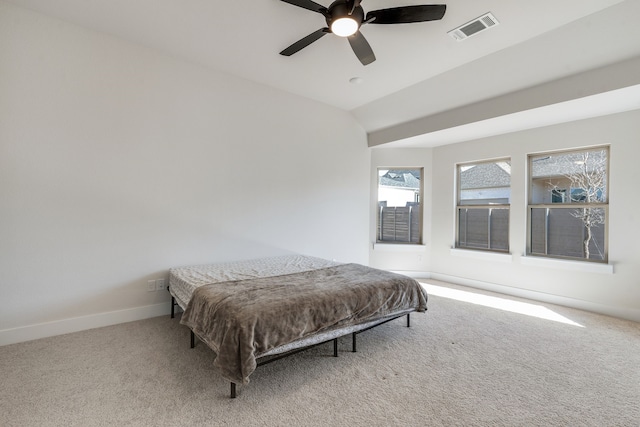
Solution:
(183, 281)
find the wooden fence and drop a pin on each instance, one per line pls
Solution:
(399, 224)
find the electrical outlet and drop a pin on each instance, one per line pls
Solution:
(151, 285)
(159, 284)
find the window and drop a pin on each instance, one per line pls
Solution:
(483, 200)
(399, 206)
(568, 204)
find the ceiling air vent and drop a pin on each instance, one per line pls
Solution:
(474, 27)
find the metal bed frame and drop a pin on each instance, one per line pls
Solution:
(275, 357)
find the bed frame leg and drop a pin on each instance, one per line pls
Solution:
(233, 390)
(173, 307)
(408, 320)
(353, 342)
(193, 339)
(335, 347)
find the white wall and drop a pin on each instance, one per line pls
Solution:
(118, 162)
(615, 294)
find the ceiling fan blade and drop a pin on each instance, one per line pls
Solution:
(361, 48)
(305, 41)
(310, 5)
(407, 14)
(354, 5)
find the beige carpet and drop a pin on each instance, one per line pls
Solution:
(460, 364)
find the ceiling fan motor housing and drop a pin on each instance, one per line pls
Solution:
(342, 9)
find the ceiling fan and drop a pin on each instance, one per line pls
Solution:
(345, 17)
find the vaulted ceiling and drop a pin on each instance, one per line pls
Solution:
(420, 70)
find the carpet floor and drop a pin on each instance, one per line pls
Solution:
(474, 359)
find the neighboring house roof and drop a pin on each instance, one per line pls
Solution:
(486, 175)
(402, 178)
(498, 174)
(566, 164)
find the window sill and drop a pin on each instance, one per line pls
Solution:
(482, 255)
(583, 266)
(397, 247)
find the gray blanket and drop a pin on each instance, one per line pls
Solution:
(241, 320)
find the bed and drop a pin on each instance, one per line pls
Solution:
(252, 311)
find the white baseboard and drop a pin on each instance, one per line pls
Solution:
(622, 313)
(414, 274)
(76, 324)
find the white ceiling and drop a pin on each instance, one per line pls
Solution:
(419, 71)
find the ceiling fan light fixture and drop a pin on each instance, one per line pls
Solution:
(344, 27)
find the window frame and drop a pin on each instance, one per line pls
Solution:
(489, 207)
(569, 204)
(378, 230)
